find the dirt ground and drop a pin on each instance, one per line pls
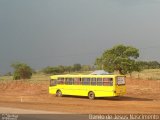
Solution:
(143, 96)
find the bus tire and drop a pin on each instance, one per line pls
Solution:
(59, 93)
(91, 95)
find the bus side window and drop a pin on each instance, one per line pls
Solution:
(107, 81)
(60, 81)
(85, 81)
(77, 81)
(53, 82)
(93, 81)
(111, 82)
(99, 81)
(69, 81)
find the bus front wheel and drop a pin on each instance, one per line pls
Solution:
(91, 95)
(59, 93)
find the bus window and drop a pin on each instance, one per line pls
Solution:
(85, 81)
(107, 81)
(60, 81)
(69, 81)
(120, 80)
(53, 82)
(93, 81)
(99, 81)
(77, 81)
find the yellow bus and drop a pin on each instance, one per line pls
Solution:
(88, 85)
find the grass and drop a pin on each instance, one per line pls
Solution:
(147, 74)
(36, 78)
(41, 76)
(5, 78)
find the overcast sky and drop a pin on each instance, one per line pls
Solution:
(63, 32)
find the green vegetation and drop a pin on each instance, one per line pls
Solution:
(76, 68)
(6, 78)
(119, 58)
(36, 78)
(21, 71)
(147, 74)
(149, 64)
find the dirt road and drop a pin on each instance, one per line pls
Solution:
(9, 110)
(143, 96)
(7, 113)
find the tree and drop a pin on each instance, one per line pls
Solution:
(50, 70)
(68, 68)
(21, 71)
(153, 64)
(77, 67)
(8, 74)
(149, 64)
(61, 69)
(120, 58)
(54, 70)
(85, 68)
(47, 70)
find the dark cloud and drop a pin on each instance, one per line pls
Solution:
(53, 32)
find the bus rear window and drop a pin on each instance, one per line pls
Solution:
(120, 80)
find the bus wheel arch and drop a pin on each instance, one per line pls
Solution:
(91, 95)
(59, 93)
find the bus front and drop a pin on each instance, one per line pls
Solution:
(120, 86)
(53, 85)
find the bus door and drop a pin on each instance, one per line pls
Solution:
(120, 88)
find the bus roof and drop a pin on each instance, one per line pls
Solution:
(80, 75)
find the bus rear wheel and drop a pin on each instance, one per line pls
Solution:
(59, 93)
(91, 95)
